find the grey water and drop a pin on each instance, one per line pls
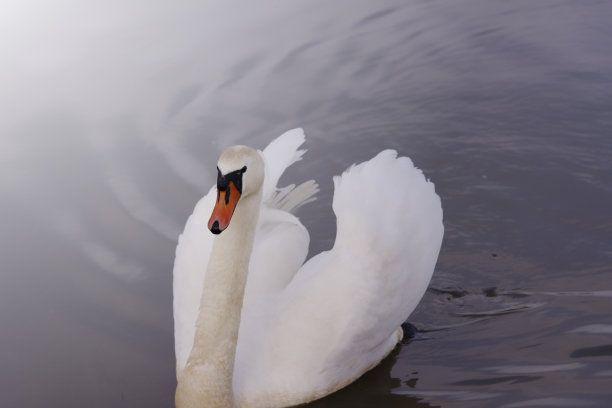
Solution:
(113, 115)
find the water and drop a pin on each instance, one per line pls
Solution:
(114, 115)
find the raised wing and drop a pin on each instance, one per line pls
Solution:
(340, 314)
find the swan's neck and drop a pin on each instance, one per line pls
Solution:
(207, 377)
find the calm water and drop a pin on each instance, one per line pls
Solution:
(114, 115)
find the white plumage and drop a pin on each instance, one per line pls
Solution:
(309, 329)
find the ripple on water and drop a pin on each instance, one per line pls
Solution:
(549, 402)
(465, 395)
(597, 351)
(534, 369)
(593, 329)
(498, 312)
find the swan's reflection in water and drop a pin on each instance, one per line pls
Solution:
(374, 388)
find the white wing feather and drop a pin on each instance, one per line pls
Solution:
(340, 314)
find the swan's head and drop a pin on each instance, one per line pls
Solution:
(240, 173)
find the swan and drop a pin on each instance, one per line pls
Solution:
(255, 326)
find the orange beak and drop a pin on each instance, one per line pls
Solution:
(224, 209)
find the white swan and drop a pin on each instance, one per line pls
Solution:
(295, 332)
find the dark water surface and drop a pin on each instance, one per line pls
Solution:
(113, 116)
